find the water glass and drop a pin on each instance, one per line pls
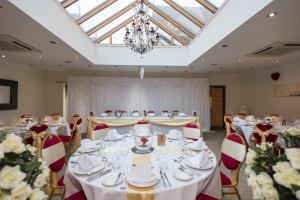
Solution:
(163, 159)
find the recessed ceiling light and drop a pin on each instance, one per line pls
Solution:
(277, 61)
(76, 57)
(3, 56)
(225, 45)
(40, 57)
(52, 42)
(272, 14)
(203, 59)
(68, 61)
(240, 59)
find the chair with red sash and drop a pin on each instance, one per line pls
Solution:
(229, 126)
(233, 153)
(264, 133)
(35, 137)
(53, 153)
(191, 131)
(100, 131)
(109, 113)
(77, 196)
(75, 125)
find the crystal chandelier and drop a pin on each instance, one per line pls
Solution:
(141, 37)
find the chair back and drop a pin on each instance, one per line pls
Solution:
(53, 152)
(100, 131)
(109, 113)
(35, 138)
(191, 130)
(233, 153)
(264, 133)
(142, 123)
(229, 125)
(75, 123)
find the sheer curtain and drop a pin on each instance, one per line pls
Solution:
(97, 94)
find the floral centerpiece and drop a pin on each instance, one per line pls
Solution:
(272, 176)
(22, 175)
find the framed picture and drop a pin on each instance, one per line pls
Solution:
(287, 90)
(8, 94)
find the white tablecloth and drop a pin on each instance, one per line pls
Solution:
(208, 182)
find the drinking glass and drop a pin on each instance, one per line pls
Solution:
(163, 159)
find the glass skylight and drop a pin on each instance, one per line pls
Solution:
(177, 21)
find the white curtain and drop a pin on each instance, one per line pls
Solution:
(98, 94)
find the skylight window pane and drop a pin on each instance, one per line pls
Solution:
(82, 7)
(105, 41)
(168, 25)
(195, 9)
(217, 3)
(105, 14)
(118, 37)
(165, 38)
(176, 43)
(115, 23)
(177, 16)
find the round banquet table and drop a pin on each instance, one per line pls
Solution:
(206, 182)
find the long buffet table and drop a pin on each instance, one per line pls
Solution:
(130, 121)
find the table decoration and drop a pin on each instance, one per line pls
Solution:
(272, 175)
(22, 174)
(143, 140)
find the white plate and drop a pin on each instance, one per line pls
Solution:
(120, 137)
(171, 137)
(183, 176)
(143, 184)
(99, 167)
(110, 180)
(208, 165)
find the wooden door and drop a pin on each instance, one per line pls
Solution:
(217, 106)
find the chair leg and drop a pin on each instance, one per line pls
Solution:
(52, 190)
(237, 193)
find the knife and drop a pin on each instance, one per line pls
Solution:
(163, 180)
(165, 175)
(98, 175)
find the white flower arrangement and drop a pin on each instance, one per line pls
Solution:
(273, 176)
(22, 175)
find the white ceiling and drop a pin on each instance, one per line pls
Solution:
(257, 32)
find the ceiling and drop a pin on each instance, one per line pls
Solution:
(257, 32)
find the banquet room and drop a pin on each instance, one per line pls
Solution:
(149, 99)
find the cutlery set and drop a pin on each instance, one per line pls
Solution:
(165, 179)
(100, 174)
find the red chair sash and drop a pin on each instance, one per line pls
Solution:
(101, 126)
(191, 125)
(38, 128)
(49, 142)
(142, 122)
(264, 127)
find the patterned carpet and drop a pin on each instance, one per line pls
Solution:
(214, 141)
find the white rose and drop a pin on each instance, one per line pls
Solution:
(1, 152)
(293, 131)
(13, 143)
(41, 180)
(251, 155)
(37, 194)
(252, 181)
(270, 193)
(287, 178)
(10, 177)
(264, 179)
(293, 155)
(258, 194)
(32, 149)
(281, 166)
(21, 192)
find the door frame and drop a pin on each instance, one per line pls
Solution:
(224, 102)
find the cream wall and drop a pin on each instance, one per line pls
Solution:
(259, 93)
(30, 91)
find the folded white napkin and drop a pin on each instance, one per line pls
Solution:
(141, 174)
(239, 120)
(250, 118)
(199, 161)
(135, 114)
(165, 114)
(87, 144)
(87, 162)
(113, 135)
(103, 115)
(199, 144)
(181, 114)
(151, 114)
(173, 133)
